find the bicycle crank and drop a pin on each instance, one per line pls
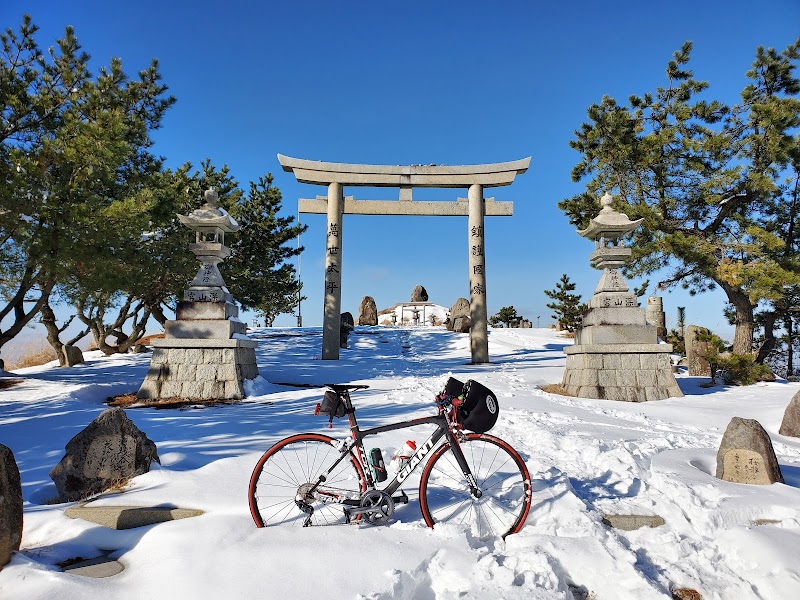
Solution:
(376, 507)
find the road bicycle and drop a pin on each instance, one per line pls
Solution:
(469, 477)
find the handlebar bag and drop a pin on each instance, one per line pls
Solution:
(480, 408)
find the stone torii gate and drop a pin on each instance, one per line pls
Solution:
(405, 178)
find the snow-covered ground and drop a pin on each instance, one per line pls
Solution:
(587, 458)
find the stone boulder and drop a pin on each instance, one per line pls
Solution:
(459, 316)
(72, 355)
(110, 450)
(367, 311)
(791, 418)
(10, 505)
(419, 294)
(746, 455)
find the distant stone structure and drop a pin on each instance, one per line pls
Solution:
(616, 355)
(205, 353)
(10, 505)
(420, 294)
(746, 455)
(460, 321)
(655, 316)
(367, 311)
(791, 418)
(110, 450)
(696, 352)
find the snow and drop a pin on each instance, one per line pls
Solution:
(587, 458)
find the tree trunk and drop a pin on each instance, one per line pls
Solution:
(744, 321)
(16, 307)
(769, 343)
(790, 344)
(53, 333)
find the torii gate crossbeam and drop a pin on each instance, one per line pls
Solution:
(475, 207)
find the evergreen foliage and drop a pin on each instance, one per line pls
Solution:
(507, 316)
(73, 157)
(567, 307)
(710, 181)
(88, 214)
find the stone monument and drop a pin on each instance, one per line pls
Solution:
(655, 315)
(616, 355)
(746, 455)
(205, 354)
(696, 351)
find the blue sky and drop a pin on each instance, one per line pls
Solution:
(415, 83)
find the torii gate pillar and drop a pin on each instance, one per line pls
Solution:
(479, 335)
(473, 177)
(333, 274)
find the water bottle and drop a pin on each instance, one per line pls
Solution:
(403, 455)
(376, 462)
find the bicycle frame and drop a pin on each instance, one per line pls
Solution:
(443, 430)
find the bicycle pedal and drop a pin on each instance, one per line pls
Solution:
(401, 499)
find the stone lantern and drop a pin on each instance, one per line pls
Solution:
(210, 224)
(205, 353)
(616, 353)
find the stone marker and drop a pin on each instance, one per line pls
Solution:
(459, 316)
(367, 311)
(791, 418)
(696, 352)
(10, 505)
(72, 355)
(419, 294)
(110, 450)
(746, 455)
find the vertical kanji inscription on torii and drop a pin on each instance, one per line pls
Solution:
(474, 178)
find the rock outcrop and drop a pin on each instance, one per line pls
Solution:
(367, 311)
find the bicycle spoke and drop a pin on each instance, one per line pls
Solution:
(293, 467)
(502, 504)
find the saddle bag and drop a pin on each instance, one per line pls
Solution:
(331, 405)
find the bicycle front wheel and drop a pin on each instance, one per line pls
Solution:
(500, 475)
(285, 487)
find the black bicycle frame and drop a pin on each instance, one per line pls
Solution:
(442, 430)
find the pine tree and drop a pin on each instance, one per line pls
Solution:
(506, 315)
(704, 176)
(73, 155)
(567, 307)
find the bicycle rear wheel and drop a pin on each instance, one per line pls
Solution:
(280, 487)
(500, 475)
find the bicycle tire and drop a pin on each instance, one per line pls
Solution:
(281, 472)
(501, 475)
